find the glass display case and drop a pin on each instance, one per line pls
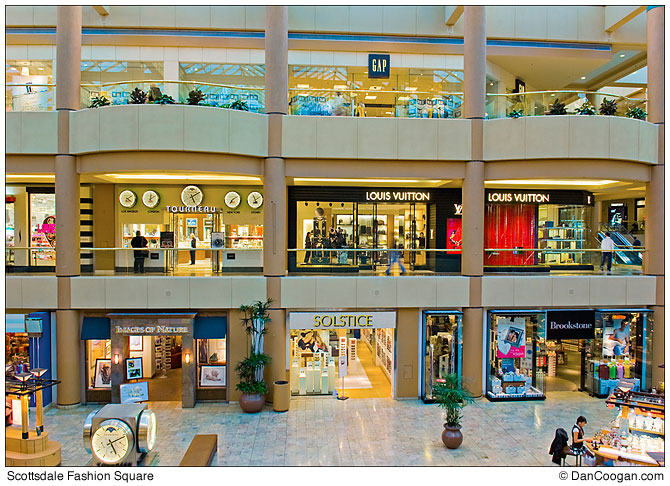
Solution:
(517, 355)
(243, 236)
(443, 343)
(152, 232)
(562, 229)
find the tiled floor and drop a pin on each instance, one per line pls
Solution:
(376, 431)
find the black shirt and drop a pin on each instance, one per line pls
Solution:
(580, 435)
(139, 242)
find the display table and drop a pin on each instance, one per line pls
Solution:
(602, 453)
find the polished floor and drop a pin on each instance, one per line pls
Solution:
(380, 386)
(322, 431)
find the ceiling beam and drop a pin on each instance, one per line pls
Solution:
(615, 23)
(102, 10)
(452, 14)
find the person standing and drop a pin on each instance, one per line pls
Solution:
(308, 246)
(193, 246)
(607, 246)
(139, 241)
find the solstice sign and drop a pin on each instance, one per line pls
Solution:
(342, 320)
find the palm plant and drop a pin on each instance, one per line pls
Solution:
(452, 397)
(98, 101)
(515, 113)
(250, 369)
(637, 113)
(239, 105)
(558, 108)
(165, 100)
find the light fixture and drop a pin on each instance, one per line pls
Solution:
(380, 181)
(370, 97)
(302, 86)
(23, 377)
(583, 77)
(552, 94)
(29, 176)
(25, 71)
(340, 86)
(490, 84)
(187, 358)
(547, 182)
(375, 88)
(411, 88)
(622, 55)
(403, 98)
(116, 359)
(182, 177)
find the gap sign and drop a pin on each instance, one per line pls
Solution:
(379, 65)
(571, 324)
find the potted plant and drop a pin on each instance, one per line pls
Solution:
(452, 397)
(250, 369)
(98, 101)
(239, 105)
(515, 113)
(137, 97)
(558, 108)
(195, 97)
(637, 113)
(586, 109)
(164, 100)
(608, 107)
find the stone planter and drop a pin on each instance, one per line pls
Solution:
(252, 403)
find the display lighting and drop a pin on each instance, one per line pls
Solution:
(340, 86)
(403, 98)
(302, 86)
(38, 372)
(583, 77)
(23, 377)
(187, 358)
(379, 181)
(369, 97)
(411, 88)
(25, 71)
(556, 182)
(182, 177)
(116, 359)
(29, 176)
(622, 55)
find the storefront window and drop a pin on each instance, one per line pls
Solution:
(517, 355)
(129, 74)
(43, 229)
(211, 362)
(239, 83)
(99, 363)
(29, 94)
(17, 349)
(348, 91)
(621, 349)
(9, 229)
(442, 349)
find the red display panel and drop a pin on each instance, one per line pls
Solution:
(510, 226)
(454, 235)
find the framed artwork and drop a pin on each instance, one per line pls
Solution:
(213, 375)
(134, 368)
(136, 343)
(103, 373)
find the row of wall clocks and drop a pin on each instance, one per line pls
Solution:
(191, 196)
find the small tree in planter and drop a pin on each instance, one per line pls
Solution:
(608, 107)
(558, 108)
(98, 101)
(137, 97)
(250, 370)
(452, 397)
(164, 100)
(239, 105)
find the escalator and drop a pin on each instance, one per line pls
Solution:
(621, 256)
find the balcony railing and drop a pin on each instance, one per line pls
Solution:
(329, 261)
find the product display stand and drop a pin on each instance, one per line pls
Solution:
(341, 396)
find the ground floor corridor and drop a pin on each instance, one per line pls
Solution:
(323, 431)
(377, 385)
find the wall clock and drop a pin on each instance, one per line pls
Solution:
(151, 199)
(232, 199)
(255, 200)
(127, 198)
(191, 196)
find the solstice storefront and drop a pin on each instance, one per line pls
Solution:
(325, 346)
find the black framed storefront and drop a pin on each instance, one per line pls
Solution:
(377, 219)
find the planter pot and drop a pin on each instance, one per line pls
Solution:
(452, 437)
(252, 403)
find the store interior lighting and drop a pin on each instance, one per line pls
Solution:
(370, 97)
(553, 182)
(372, 181)
(185, 177)
(32, 177)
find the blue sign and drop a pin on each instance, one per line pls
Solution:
(379, 65)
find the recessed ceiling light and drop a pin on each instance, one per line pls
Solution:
(380, 181)
(340, 86)
(491, 84)
(370, 97)
(411, 88)
(583, 77)
(552, 94)
(622, 55)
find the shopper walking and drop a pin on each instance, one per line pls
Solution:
(139, 241)
(607, 246)
(395, 257)
(308, 246)
(193, 246)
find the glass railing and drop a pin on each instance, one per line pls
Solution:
(245, 98)
(627, 260)
(570, 102)
(23, 97)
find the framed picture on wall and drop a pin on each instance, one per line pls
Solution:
(136, 343)
(134, 368)
(213, 375)
(103, 373)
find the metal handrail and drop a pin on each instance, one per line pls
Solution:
(571, 250)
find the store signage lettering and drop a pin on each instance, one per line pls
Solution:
(517, 197)
(191, 209)
(46, 228)
(139, 330)
(577, 324)
(459, 209)
(342, 320)
(396, 196)
(379, 65)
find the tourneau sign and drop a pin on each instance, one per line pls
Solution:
(571, 324)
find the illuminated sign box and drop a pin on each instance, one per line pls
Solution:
(379, 65)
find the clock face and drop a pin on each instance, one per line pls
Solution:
(232, 199)
(255, 200)
(127, 198)
(147, 431)
(191, 196)
(151, 199)
(112, 441)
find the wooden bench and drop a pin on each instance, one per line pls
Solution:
(201, 451)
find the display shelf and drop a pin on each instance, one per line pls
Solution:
(384, 347)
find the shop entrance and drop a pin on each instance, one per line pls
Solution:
(565, 364)
(315, 354)
(160, 365)
(199, 225)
